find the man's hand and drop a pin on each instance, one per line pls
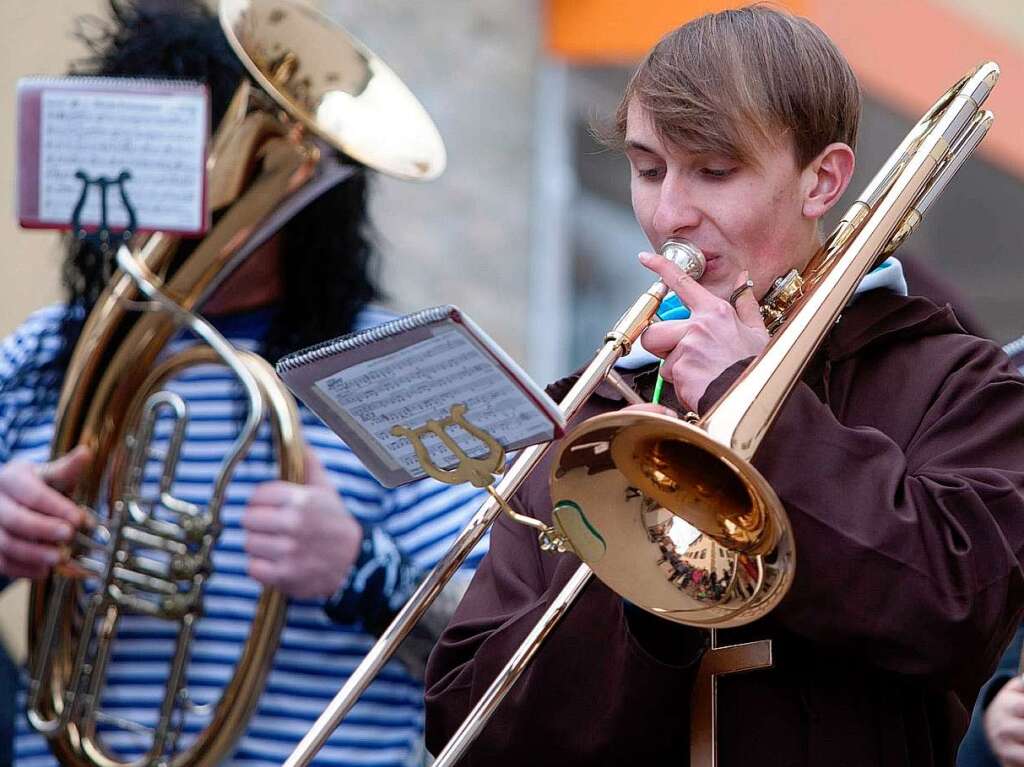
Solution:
(697, 350)
(1004, 724)
(36, 516)
(300, 538)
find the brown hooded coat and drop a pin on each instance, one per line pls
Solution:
(900, 460)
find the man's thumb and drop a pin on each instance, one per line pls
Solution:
(63, 473)
(315, 472)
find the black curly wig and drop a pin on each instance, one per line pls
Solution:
(327, 256)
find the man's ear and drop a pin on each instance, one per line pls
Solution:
(826, 178)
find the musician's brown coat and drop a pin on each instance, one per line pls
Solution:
(900, 459)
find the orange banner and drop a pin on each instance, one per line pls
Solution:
(602, 31)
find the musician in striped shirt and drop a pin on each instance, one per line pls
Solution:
(345, 550)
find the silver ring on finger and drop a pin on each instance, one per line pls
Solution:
(748, 285)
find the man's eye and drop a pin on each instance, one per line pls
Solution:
(717, 172)
(647, 172)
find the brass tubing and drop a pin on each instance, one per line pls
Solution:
(507, 677)
(435, 581)
(742, 417)
(739, 420)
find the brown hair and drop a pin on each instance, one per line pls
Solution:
(725, 82)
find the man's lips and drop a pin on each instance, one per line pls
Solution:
(709, 260)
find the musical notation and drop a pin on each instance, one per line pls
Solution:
(158, 138)
(421, 382)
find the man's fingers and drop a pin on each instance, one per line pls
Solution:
(14, 568)
(662, 337)
(746, 305)
(22, 522)
(270, 520)
(273, 575)
(1011, 756)
(269, 546)
(650, 407)
(29, 552)
(43, 499)
(1015, 700)
(315, 473)
(690, 292)
(25, 484)
(275, 493)
(267, 572)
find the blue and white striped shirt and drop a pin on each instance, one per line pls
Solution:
(315, 655)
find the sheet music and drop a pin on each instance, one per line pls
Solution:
(159, 138)
(422, 382)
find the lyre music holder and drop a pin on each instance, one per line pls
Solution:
(481, 471)
(103, 237)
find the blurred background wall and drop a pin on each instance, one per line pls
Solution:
(529, 230)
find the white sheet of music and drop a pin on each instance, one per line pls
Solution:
(421, 382)
(153, 131)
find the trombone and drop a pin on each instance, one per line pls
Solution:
(664, 458)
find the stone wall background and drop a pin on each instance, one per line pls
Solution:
(463, 238)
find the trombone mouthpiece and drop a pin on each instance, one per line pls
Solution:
(686, 256)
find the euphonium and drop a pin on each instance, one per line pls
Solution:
(686, 493)
(315, 80)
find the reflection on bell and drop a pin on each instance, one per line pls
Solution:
(672, 522)
(334, 85)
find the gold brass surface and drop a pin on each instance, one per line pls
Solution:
(659, 470)
(479, 471)
(627, 509)
(616, 344)
(334, 85)
(58, 658)
(719, 661)
(658, 522)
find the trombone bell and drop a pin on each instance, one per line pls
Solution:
(672, 520)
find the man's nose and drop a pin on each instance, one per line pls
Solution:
(677, 212)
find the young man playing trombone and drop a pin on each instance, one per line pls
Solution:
(898, 457)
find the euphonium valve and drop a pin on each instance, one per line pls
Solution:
(150, 549)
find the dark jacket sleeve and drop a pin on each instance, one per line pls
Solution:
(590, 657)
(909, 522)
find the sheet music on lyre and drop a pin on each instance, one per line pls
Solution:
(412, 370)
(89, 143)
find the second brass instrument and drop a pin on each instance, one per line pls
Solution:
(150, 552)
